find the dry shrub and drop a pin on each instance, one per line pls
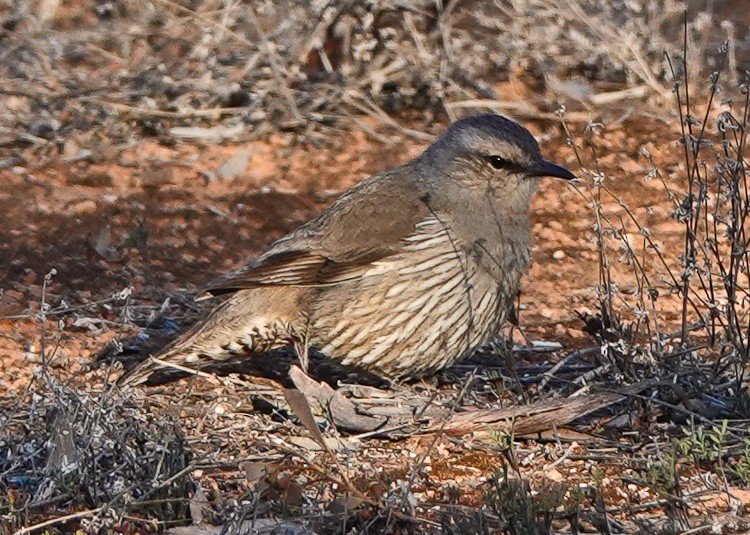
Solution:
(66, 449)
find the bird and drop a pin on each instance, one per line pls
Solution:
(406, 273)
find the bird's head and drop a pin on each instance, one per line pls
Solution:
(492, 150)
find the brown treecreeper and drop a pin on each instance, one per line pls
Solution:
(408, 272)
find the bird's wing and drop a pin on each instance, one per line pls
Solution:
(289, 268)
(369, 222)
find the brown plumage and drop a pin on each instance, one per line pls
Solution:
(406, 273)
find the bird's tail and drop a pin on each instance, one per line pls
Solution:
(232, 332)
(184, 356)
(166, 366)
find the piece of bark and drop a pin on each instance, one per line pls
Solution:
(341, 409)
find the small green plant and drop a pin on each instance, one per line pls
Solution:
(519, 509)
(703, 444)
(661, 474)
(716, 448)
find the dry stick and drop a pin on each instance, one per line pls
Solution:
(383, 432)
(58, 520)
(601, 99)
(549, 374)
(373, 110)
(46, 358)
(605, 273)
(692, 165)
(43, 320)
(36, 182)
(639, 268)
(367, 130)
(584, 379)
(687, 161)
(741, 158)
(698, 529)
(381, 74)
(124, 108)
(189, 468)
(191, 371)
(707, 228)
(109, 55)
(560, 459)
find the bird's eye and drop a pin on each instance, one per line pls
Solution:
(498, 162)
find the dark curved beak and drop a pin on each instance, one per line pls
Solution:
(543, 168)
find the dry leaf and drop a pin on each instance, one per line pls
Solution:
(301, 408)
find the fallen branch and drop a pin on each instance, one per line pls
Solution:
(528, 419)
(539, 416)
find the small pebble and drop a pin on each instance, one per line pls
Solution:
(86, 206)
(558, 255)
